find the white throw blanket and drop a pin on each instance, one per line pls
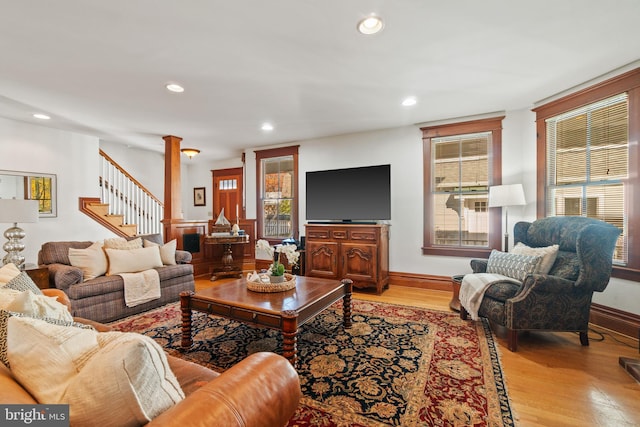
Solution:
(141, 287)
(473, 288)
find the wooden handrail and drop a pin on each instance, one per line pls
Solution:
(135, 181)
(126, 196)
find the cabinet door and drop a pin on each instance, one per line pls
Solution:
(359, 262)
(322, 259)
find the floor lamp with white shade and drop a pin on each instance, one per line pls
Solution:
(503, 196)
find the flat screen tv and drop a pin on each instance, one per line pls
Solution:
(361, 194)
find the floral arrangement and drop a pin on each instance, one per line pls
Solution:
(290, 251)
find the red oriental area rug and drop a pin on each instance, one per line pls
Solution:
(397, 365)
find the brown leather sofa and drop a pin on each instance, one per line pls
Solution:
(262, 390)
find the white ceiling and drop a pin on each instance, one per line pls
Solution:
(99, 67)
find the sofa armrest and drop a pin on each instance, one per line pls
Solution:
(60, 295)
(183, 257)
(64, 299)
(63, 275)
(100, 327)
(261, 390)
(11, 392)
(479, 265)
(545, 284)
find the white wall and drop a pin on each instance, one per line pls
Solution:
(73, 158)
(151, 176)
(194, 173)
(402, 148)
(199, 175)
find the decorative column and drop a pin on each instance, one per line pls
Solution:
(172, 199)
(173, 223)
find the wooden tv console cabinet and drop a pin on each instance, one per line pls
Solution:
(359, 252)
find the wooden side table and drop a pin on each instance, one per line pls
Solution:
(39, 275)
(456, 281)
(230, 249)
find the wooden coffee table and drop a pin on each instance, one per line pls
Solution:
(285, 311)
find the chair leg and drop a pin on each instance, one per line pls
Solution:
(512, 339)
(463, 313)
(584, 338)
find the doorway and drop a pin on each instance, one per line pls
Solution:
(227, 194)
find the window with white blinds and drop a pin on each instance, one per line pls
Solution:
(588, 165)
(460, 189)
(461, 161)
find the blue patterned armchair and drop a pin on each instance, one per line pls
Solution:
(561, 299)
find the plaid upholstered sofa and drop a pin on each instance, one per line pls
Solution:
(559, 300)
(102, 298)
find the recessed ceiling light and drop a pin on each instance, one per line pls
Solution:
(173, 87)
(409, 101)
(268, 127)
(41, 116)
(370, 25)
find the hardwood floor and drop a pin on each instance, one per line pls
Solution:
(552, 380)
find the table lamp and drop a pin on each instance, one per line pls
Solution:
(15, 211)
(503, 196)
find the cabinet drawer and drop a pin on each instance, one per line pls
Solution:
(211, 308)
(363, 235)
(318, 234)
(253, 317)
(339, 234)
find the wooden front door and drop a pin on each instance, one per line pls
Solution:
(227, 193)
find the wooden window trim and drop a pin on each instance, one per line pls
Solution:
(628, 82)
(277, 152)
(493, 125)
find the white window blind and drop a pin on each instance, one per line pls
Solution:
(588, 164)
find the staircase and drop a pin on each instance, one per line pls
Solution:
(125, 206)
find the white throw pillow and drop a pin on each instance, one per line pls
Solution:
(133, 260)
(127, 383)
(108, 379)
(8, 272)
(122, 243)
(7, 296)
(30, 304)
(92, 261)
(512, 265)
(65, 349)
(22, 282)
(548, 254)
(167, 251)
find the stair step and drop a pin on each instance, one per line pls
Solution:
(130, 229)
(100, 212)
(99, 208)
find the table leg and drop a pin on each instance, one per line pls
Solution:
(290, 337)
(346, 302)
(454, 304)
(227, 257)
(463, 313)
(185, 307)
(229, 268)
